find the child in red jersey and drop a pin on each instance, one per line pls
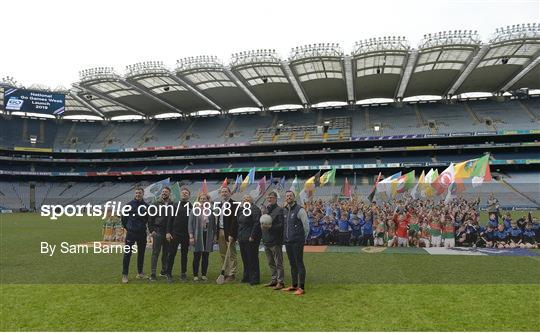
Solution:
(402, 221)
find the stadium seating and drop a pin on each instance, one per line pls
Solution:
(503, 116)
(261, 128)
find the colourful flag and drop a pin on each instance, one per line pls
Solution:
(175, 191)
(328, 177)
(427, 189)
(346, 188)
(465, 169)
(374, 188)
(152, 191)
(311, 183)
(444, 180)
(479, 180)
(414, 191)
(281, 184)
(237, 183)
(250, 179)
(403, 183)
(385, 185)
(295, 186)
(204, 188)
(261, 188)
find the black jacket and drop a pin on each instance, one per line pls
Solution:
(230, 222)
(178, 225)
(249, 225)
(134, 223)
(274, 235)
(159, 221)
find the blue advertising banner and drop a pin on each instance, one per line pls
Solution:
(22, 100)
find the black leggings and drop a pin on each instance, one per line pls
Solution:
(204, 266)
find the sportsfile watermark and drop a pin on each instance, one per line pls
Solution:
(116, 208)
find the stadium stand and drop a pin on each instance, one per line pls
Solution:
(306, 102)
(277, 127)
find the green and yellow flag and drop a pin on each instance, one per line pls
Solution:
(328, 177)
(472, 168)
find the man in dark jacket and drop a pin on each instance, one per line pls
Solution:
(227, 224)
(272, 239)
(295, 231)
(177, 234)
(249, 238)
(157, 226)
(135, 225)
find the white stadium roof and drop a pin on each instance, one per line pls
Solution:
(443, 64)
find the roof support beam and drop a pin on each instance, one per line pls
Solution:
(521, 74)
(468, 69)
(88, 105)
(407, 73)
(110, 100)
(349, 82)
(140, 88)
(195, 91)
(294, 82)
(243, 87)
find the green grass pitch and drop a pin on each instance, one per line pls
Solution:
(345, 291)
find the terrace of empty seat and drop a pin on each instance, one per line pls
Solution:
(206, 130)
(504, 116)
(449, 118)
(242, 126)
(394, 121)
(165, 133)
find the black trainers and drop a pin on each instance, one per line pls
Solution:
(153, 277)
(183, 277)
(162, 273)
(169, 279)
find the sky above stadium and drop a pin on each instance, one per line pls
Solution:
(49, 42)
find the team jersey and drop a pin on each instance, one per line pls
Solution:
(515, 234)
(356, 229)
(536, 228)
(367, 228)
(329, 227)
(448, 231)
(493, 223)
(501, 236)
(426, 232)
(414, 227)
(435, 228)
(529, 236)
(315, 231)
(343, 225)
(489, 236)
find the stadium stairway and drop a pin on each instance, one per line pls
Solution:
(528, 111)
(515, 190)
(471, 113)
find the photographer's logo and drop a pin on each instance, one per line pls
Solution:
(14, 104)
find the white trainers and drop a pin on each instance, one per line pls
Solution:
(125, 279)
(195, 278)
(141, 276)
(204, 278)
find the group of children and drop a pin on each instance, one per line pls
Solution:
(417, 222)
(112, 229)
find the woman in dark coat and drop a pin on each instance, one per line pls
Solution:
(249, 238)
(202, 231)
